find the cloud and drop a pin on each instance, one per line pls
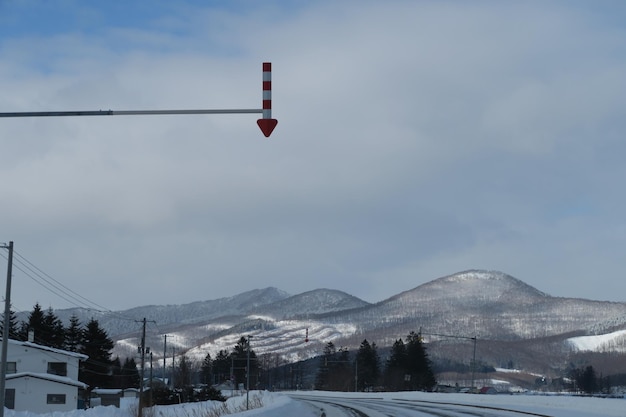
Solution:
(415, 139)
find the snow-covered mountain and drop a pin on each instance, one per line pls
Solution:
(487, 305)
(121, 322)
(507, 317)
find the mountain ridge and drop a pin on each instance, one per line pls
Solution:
(487, 305)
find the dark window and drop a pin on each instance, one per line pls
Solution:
(9, 398)
(56, 398)
(57, 368)
(11, 367)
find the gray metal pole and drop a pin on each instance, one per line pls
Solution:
(6, 329)
(126, 112)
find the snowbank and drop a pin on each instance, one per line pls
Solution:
(272, 405)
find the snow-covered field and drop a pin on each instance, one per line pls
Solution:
(280, 404)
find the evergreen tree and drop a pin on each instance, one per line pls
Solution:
(589, 381)
(73, 335)
(53, 332)
(34, 324)
(342, 373)
(22, 332)
(395, 368)
(207, 369)
(409, 367)
(322, 377)
(336, 371)
(585, 379)
(14, 331)
(419, 366)
(240, 360)
(130, 374)
(96, 344)
(124, 376)
(221, 367)
(116, 371)
(367, 365)
(183, 372)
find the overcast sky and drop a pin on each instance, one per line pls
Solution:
(416, 139)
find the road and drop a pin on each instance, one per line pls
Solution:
(345, 406)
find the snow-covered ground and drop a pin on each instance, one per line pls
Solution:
(279, 404)
(610, 342)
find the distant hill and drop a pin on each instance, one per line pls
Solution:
(511, 321)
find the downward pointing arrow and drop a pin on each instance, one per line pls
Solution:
(267, 126)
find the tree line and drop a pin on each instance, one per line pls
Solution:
(587, 381)
(408, 368)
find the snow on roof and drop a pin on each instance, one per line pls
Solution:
(106, 391)
(80, 356)
(48, 377)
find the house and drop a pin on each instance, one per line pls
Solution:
(41, 379)
(112, 396)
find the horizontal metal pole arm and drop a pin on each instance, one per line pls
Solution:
(126, 112)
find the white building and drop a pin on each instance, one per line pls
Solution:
(41, 379)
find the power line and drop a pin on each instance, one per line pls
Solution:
(47, 287)
(48, 278)
(59, 289)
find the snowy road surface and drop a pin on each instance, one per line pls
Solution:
(457, 405)
(388, 404)
(380, 407)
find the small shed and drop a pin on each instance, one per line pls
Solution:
(106, 396)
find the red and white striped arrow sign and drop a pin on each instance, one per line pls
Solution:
(267, 124)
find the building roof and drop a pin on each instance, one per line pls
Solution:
(47, 377)
(32, 345)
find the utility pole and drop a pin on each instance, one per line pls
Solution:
(248, 376)
(164, 356)
(7, 325)
(142, 351)
(150, 378)
(143, 363)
